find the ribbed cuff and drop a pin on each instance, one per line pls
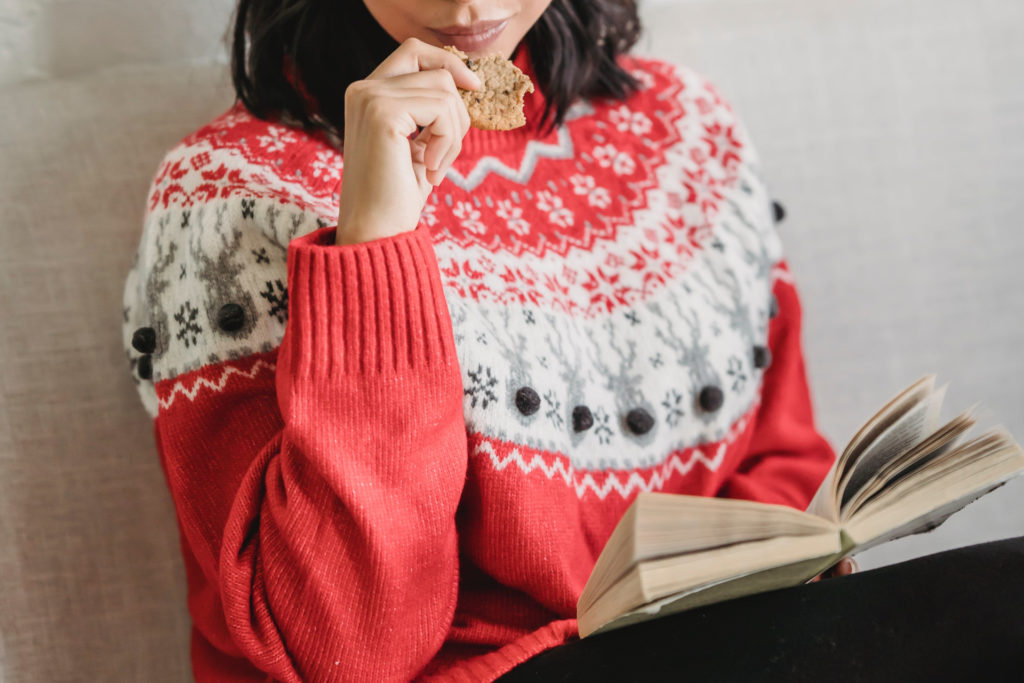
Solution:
(372, 307)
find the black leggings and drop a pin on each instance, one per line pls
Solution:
(957, 615)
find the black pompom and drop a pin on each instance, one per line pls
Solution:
(144, 340)
(762, 356)
(582, 420)
(780, 212)
(231, 317)
(711, 398)
(639, 421)
(527, 401)
(146, 367)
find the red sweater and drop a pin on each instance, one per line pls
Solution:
(400, 459)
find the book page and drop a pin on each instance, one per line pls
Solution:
(932, 451)
(880, 421)
(909, 429)
(971, 471)
(662, 524)
(655, 579)
(825, 503)
(720, 590)
(930, 520)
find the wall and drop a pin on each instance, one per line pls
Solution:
(43, 38)
(58, 38)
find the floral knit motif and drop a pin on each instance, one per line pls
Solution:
(583, 315)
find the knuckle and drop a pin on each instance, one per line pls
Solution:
(354, 91)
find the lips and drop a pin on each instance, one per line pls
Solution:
(471, 30)
(473, 38)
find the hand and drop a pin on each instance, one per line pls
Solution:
(388, 177)
(845, 566)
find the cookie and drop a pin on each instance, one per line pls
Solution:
(499, 104)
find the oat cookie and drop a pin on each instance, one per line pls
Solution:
(499, 104)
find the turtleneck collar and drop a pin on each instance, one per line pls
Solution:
(479, 143)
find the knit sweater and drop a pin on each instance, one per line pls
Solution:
(401, 458)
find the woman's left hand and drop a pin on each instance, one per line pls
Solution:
(845, 566)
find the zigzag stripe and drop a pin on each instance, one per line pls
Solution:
(563, 149)
(568, 473)
(660, 474)
(534, 151)
(215, 386)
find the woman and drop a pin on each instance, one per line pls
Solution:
(400, 412)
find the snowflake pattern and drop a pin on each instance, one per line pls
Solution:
(735, 371)
(601, 430)
(673, 404)
(598, 197)
(328, 165)
(620, 162)
(278, 300)
(554, 412)
(469, 217)
(189, 329)
(619, 276)
(277, 139)
(481, 386)
(513, 215)
(626, 121)
(557, 213)
(248, 208)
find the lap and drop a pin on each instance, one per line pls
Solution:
(954, 615)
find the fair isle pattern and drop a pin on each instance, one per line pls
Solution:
(609, 288)
(535, 150)
(638, 275)
(575, 202)
(216, 385)
(634, 480)
(601, 482)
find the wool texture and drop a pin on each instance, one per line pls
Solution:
(400, 459)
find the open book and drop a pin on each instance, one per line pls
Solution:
(901, 474)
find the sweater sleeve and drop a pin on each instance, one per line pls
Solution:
(331, 538)
(787, 458)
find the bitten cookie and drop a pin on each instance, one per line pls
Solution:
(499, 104)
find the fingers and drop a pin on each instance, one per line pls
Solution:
(843, 567)
(414, 55)
(443, 132)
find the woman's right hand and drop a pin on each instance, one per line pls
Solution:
(388, 177)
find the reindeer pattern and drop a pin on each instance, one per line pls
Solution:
(655, 355)
(200, 259)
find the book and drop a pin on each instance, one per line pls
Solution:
(902, 473)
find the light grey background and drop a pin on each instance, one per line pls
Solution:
(892, 130)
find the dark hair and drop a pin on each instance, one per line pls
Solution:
(293, 59)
